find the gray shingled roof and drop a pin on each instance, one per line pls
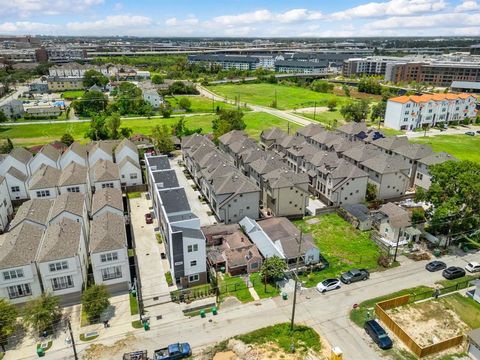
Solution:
(77, 148)
(45, 177)
(61, 241)
(437, 158)
(35, 210)
(73, 174)
(107, 233)
(125, 143)
(104, 145)
(232, 136)
(17, 174)
(21, 155)
(391, 142)
(353, 128)
(273, 133)
(174, 200)
(108, 196)
(20, 245)
(280, 178)
(397, 216)
(414, 151)
(235, 183)
(384, 164)
(70, 202)
(310, 130)
(50, 152)
(105, 170)
(165, 179)
(362, 152)
(160, 162)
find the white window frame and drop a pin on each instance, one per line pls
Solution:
(62, 283)
(58, 266)
(193, 278)
(13, 274)
(108, 257)
(43, 193)
(14, 293)
(111, 273)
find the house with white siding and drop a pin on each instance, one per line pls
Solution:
(423, 177)
(107, 200)
(43, 183)
(104, 174)
(47, 155)
(16, 171)
(130, 172)
(74, 179)
(76, 153)
(101, 150)
(6, 208)
(35, 212)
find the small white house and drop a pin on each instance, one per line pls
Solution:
(77, 153)
(47, 155)
(17, 159)
(126, 149)
(17, 184)
(100, 150)
(105, 174)
(108, 252)
(6, 209)
(130, 172)
(62, 260)
(107, 200)
(43, 183)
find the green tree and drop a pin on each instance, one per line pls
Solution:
(162, 139)
(369, 85)
(378, 111)
(92, 102)
(272, 269)
(93, 77)
(355, 110)
(227, 120)
(371, 194)
(126, 132)
(67, 139)
(8, 320)
(346, 90)
(97, 129)
(157, 79)
(3, 117)
(166, 110)
(129, 99)
(95, 300)
(42, 312)
(185, 104)
(112, 124)
(6, 146)
(455, 197)
(180, 129)
(332, 104)
(322, 86)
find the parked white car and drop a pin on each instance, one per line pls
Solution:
(473, 267)
(329, 284)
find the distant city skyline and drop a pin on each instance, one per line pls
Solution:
(245, 18)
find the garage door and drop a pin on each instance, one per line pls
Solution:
(474, 351)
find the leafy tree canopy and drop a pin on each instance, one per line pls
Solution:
(95, 300)
(93, 77)
(162, 139)
(355, 111)
(42, 312)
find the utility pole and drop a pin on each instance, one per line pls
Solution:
(296, 283)
(213, 103)
(72, 338)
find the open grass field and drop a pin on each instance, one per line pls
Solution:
(73, 94)
(234, 286)
(200, 104)
(331, 119)
(463, 147)
(33, 134)
(288, 97)
(341, 244)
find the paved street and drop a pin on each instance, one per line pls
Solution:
(327, 313)
(450, 131)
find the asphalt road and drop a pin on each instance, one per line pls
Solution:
(327, 313)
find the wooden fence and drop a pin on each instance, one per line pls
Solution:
(380, 311)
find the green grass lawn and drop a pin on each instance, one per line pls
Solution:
(32, 134)
(200, 104)
(327, 118)
(460, 146)
(259, 287)
(303, 337)
(466, 308)
(73, 94)
(288, 97)
(447, 283)
(341, 244)
(234, 286)
(133, 305)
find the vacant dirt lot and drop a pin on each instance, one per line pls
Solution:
(428, 322)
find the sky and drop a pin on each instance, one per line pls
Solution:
(241, 18)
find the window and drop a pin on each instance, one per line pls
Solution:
(419, 176)
(63, 282)
(15, 188)
(133, 176)
(193, 278)
(18, 291)
(107, 185)
(43, 193)
(192, 248)
(254, 265)
(109, 257)
(111, 273)
(63, 265)
(193, 263)
(75, 189)
(13, 274)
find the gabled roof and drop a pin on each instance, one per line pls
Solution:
(128, 159)
(362, 152)
(267, 163)
(126, 143)
(384, 164)
(322, 158)
(325, 137)
(77, 148)
(69, 202)
(45, 177)
(414, 151)
(264, 244)
(189, 141)
(61, 241)
(17, 174)
(353, 128)
(289, 141)
(391, 142)
(50, 152)
(73, 174)
(436, 158)
(281, 178)
(107, 233)
(21, 155)
(34, 210)
(19, 246)
(235, 183)
(346, 170)
(232, 136)
(105, 170)
(105, 146)
(274, 133)
(397, 216)
(107, 197)
(310, 130)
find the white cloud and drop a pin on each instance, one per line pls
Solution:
(445, 20)
(191, 20)
(27, 27)
(118, 6)
(110, 24)
(467, 6)
(25, 8)
(264, 15)
(390, 8)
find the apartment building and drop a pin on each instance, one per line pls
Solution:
(74, 69)
(225, 61)
(13, 109)
(59, 84)
(301, 67)
(6, 208)
(412, 112)
(371, 65)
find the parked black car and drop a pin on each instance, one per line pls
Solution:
(470, 133)
(453, 272)
(435, 266)
(378, 334)
(354, 275)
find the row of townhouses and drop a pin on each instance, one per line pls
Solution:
(51, 242)
(80, 168)
(179, 226)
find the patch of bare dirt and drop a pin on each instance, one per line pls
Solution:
(115, 351)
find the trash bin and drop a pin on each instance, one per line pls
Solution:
(437, 252)
(202, 313)
(214, 310)
(134, 293)
(284, 296)
(40, 351)
(146, 326)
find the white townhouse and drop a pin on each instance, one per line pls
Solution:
(412, 112)
(47, 155)
(107, 200)
(101, 150)
(15, 170)
(76, 153)
(423, 178)
(151, 96)
(35, 212)
(108, 252)
(43, 183)
(19, 279)
(74, 179)
(105, 174)
(6, 208)
(62, 260)
(125, 149)
(130, 172)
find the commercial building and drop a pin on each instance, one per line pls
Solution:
(65, 83)
(302, 67)
(412, 112)
(225, 61)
